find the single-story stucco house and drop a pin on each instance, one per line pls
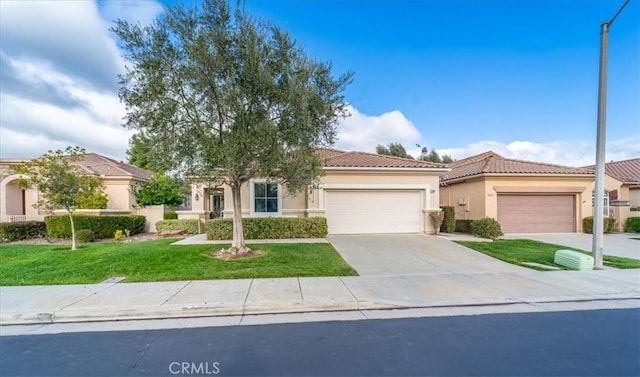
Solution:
(16, 202)
(358, 193)
(622, 183)
(524, 196)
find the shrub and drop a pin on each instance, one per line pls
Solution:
(269, 228)
(609, 224)
(188, 225)
(96, 200)
(486, 228)
(449, 224)
(102, 226)
(463, 226)
(436, 219)
(85, 235)
(118, 235)
(632, 225)
(170, 215)
(22, 230)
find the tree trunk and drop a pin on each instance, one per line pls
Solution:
(73, 231)
(237, 245)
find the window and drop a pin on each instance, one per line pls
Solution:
(265, 197)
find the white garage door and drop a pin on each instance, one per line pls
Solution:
(373, 211)
(536, 213)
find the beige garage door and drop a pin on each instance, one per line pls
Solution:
(373, 211)
(536, 213)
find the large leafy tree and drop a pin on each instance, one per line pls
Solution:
(161, 189)
(60, 182)
(228, 97)
(393, 149)
(143, 153)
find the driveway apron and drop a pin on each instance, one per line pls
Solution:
(412, 254)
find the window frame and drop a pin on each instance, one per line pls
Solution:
(252, 198)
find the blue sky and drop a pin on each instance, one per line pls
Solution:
(518, 77)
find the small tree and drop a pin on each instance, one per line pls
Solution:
(161, 189)
(60, 183)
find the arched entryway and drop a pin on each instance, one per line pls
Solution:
(13, 200)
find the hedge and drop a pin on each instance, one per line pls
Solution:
(632, 225)
(22, 230)
(102, 226)
(609, 224)
(258, 228)
(188, 225)
(449, 223)
(463, 226)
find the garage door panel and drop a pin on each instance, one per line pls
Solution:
(373, 211)
(536, 213)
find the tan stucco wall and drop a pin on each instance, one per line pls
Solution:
(119, 193)
(467, 198)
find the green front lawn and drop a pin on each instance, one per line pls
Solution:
(519, 251)
(160, 261)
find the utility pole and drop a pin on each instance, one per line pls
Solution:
(598, 205)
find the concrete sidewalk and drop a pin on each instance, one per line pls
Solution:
(184, 299)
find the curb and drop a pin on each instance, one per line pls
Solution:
(176, 312)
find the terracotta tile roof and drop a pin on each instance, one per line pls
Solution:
(96, 164)
(336, 158)
(492, 163)
(627, 171)
(476, 158)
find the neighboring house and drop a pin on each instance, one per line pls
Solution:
(16, 203)
(524, 196)
(622, 183)
(358, 193)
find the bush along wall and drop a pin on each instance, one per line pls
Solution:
(449, 223)
(486, 228)
(609, 224)
(102, 226)
(632, 225)
(463, 226)
(258, 228)
(188, 225)
(22, 230)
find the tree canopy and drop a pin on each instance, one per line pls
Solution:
(144, 154)
(227, 97)
(60, 183)
(161, 189)
(393, 149)
(433, 156)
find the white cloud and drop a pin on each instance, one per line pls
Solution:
(141, 12)
(364, 132)
(570, 153)
(59, 71)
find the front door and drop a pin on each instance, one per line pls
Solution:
(217, 205)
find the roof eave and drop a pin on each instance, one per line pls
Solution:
(347, 168)
(486, 175)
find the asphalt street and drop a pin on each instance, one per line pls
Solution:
(576, 343)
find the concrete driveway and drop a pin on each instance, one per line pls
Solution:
(412, 254)
(620, 245)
